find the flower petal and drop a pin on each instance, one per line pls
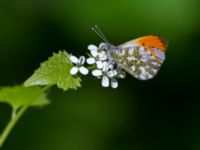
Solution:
(74, 70)
(110, 66)
(83, 70)
(92, 47)
(102, 53)
(105, 81)
(94, 53)
(105, 67)
(112, 73)
(114, 83)
(90, 61)
(81, 60)
(99, 64)
(103, 57)
(102, 45)
(73, 59)
(97, 73)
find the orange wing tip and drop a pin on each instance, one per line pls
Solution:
(164, 41)
(153, 41)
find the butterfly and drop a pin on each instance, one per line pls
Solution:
(141, 57)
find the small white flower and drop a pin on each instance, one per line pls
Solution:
(107, 74)
(105, 68)
(78, 65)
(97, 56)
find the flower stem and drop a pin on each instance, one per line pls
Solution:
(11, 124)
(91, 67)
(45, 88)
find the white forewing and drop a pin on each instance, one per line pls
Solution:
(128, 44)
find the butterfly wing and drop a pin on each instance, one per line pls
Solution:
(142, 57)
(148, 41)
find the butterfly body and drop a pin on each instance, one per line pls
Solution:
(141, 57)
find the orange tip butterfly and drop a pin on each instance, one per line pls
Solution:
(141, 57)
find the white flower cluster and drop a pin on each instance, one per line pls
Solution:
(102, 67)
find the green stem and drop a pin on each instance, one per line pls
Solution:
(45, 88)
(11, 124)
(91, 67)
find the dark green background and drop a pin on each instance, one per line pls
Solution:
(160, 114)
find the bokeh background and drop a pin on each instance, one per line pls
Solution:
(160, 114)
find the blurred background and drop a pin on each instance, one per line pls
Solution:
(160, 114)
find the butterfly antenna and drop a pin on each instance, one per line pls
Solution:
(99, 30)
(99, 33)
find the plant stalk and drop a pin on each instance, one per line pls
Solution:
(11, 125)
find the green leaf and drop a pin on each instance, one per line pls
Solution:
(18, 96)
(55, 71)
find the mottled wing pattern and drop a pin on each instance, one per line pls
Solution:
(141, 62)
